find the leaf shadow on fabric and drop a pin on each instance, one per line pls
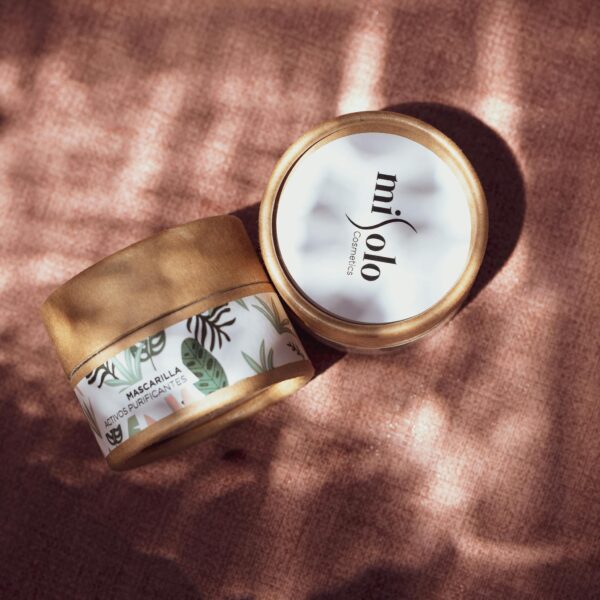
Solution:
(57, 509)
(391, 582)
(65, 502)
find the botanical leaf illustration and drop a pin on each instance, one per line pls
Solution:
(151, 346)
(265, 361)
(209, 371)
(281, 324)
(101, 373)
(130, 372)
(133, 426)
(88, 410)
(295, 348)
(207, 326)
(242, 303)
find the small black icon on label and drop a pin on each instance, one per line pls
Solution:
(115, 436)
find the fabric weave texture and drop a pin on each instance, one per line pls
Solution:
(463, 466)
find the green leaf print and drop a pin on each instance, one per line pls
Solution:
(130, 372)
(242, 303)
(211, 375)
(150, 347)
(266, 361)
(272, 314)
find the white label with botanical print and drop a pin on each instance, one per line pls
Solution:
(184, 364)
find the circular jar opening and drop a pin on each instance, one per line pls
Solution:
(373, 228)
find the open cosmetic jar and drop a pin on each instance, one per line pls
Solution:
(172, 339)
(373, 227)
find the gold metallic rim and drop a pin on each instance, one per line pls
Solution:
(200, 421)
(359, 336)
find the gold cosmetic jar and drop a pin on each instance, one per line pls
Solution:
(172, 339)
(373, 227)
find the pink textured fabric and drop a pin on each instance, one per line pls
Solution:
(464, 466)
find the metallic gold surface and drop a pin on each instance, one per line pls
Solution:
(349, 335)
(147, 281)
(153, 284)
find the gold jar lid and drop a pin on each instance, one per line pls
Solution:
(149, 280)
(373, 227)
(173, 338)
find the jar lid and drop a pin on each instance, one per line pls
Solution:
(150, 279)
(373, 227)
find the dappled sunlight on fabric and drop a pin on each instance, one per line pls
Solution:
(499, 104)
(32, 408)
(457, 470)
(364, 63)
(215, 152)
(152, 126)
(520, 432)
(445, 460)
(504, 555)
(440, 470)
(445, 488)
(64, 128)
(427, 427)
(514, 275)
(50, 268)
(78, 474)
(10, 91)
(5, 280)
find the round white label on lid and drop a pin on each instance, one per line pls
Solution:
(373, 227)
